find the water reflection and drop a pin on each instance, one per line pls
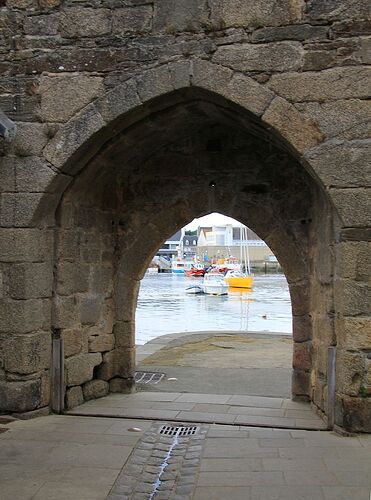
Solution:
(164, 307)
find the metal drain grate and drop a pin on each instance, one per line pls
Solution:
(171, 430)
(148, 377)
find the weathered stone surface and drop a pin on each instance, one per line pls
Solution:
(172, 16)
(19, 396)
(124, 332)
(353, 334)
(90, 309)
(21, 316)
(155, 82)
(118, 101)
(333, 9)
(300, 383)
(101, 343)
(74, 397)
(117, 363)
(27, 353)
(30, 139)
(280, 56)
(353, 298)
(122, 385)
(344, 119)
(83, 21)
(74, 134)
(72, 278)
(25, 245)
(75, 91)
(341, 164)
(65, 312)
(353, 206)
(73, 342)
(95, 389)
(21, 209)
(79, 369)
(353, 413)
(302, 356)
(30, 281)
(354, 259)
(299, 32)
(41, 25)
(132, 20)
(350, 373)
(301, 133)
(251, 13)
(331, 84)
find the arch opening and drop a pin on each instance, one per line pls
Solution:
(178, 163)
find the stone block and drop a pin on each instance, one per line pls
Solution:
(172, 16)
(350, 372)
(74, 397)
(300, 132)
(101, 343)
(95, 389)
(34, 174)
(7, 175)
(1, 285)
(353, 413)
(328, 85)
(101, 279)
(117, 363)
(132, 20)
(21, 316)
(22, 209)
(68, 245)
(31, 280)
(302, 356)
(125, 298)
(337, 9)
(279, 56)
(63, 96)
(118, 101)
(253, 13)
(84, 22)
(352, 298)
(122, 385)
(41, 25)
(338, 163)
(19, 396)
(71, 136)
(65, 312)
(72, 278)
(353, 334)
(156, 82)
(27, 354)
(299, 32)
(30, 138)
(90, 309)
(302, 328)
(353, 260)
(300, 383)
(79, 369)
(73, 342)
(124, 332)
(25, 245)
(353, 206)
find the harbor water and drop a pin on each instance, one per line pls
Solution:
(164, 307)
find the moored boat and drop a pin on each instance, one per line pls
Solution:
(238, 279)
(214, 284)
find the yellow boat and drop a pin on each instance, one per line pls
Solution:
(236, 279)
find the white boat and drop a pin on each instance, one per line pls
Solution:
(214, 284)
(179, 266)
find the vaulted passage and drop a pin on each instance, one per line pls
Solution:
(189, 153)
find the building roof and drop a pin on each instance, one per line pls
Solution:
(175, 237)
(190, 238)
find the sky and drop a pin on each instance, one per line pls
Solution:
(212, 220)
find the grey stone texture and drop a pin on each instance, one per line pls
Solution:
(125, 113)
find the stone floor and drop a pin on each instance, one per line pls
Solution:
(93, 458)
(211, 408)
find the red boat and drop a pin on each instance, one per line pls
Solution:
(194, 272)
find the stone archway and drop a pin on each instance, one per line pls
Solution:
(108, 153)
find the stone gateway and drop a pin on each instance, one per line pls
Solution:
(138, 113)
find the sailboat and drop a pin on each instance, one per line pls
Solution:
(239, 278)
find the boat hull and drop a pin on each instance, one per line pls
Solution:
(215, 289)
(239, 281)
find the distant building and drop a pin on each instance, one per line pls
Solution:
(224, 241)
(171, 246)
(189, 245)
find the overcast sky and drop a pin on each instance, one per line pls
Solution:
(212, 220)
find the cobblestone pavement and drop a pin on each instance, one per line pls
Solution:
(94, 458)
(211, 408)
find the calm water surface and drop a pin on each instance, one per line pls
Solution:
(164, 307)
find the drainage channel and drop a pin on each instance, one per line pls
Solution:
(164, 463)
